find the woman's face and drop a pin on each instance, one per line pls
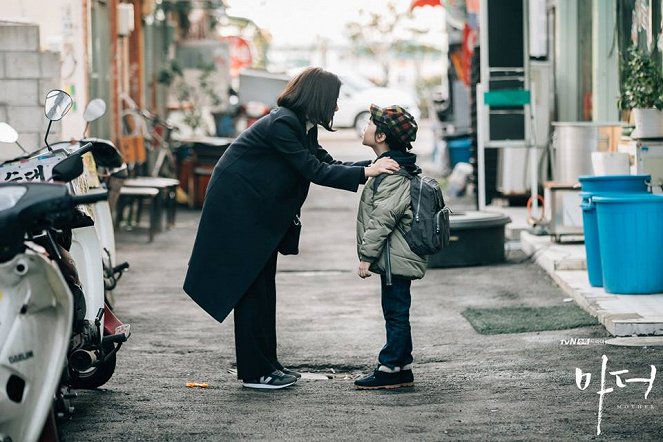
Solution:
(331, 117)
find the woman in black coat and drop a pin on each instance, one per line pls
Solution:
(256, 191)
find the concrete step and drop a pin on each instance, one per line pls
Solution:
(622, 315)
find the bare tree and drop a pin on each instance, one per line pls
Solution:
(375, 33)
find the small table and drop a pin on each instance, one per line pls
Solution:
(168, 195)
(130, 196)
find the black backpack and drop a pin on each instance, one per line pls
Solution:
(430, 223)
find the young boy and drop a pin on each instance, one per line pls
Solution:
(385, 214)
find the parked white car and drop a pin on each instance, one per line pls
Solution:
(358, 93)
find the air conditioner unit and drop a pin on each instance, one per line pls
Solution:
(125, 19)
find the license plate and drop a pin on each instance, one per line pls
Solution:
(34, 169)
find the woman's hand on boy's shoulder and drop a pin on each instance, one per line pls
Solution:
(383, 165)
(363, 269)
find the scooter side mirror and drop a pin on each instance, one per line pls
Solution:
(68, 169)
(57, 104)
(7, 133)
(94, 110)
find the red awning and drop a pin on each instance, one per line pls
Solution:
(420, 3)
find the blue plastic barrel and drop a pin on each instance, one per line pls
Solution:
(597, 186)
(631, 241)
(459, 151)
(614, 183)
(592, 251)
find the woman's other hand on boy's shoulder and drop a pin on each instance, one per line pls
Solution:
(363, 269)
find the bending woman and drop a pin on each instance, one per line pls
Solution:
(256, 191)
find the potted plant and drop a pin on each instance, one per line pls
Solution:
(642, 92)
(197, 94)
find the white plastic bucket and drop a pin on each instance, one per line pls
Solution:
(610, 163)
(648, 123)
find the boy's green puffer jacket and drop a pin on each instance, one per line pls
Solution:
(387, 213)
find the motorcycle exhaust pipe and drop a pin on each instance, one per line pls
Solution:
(81, 360)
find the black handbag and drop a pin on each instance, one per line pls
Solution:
(289, 244)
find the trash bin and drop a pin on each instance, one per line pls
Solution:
(459, 150)
(477, 238)
(614, 183)
(573, 144)
(225, 124)
(602, 186)
(631, 242)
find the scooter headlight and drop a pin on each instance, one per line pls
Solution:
(11, 195)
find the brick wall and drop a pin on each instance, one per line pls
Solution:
(26, 75)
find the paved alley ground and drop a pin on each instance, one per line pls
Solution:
(468, 386)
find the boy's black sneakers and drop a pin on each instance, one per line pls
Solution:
(273, 381)
(383, 380)
(407, 378)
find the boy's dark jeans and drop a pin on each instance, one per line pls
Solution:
(396, 300)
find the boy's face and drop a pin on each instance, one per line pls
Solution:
(369, 134)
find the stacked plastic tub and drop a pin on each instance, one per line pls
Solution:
(623, 226)
(631, 242)
(459, 150)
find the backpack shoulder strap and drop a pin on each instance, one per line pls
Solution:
(378, 179)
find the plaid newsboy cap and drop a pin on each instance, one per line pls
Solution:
(397, 120)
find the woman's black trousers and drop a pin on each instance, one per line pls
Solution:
(255, 325)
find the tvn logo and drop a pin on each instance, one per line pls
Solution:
(582, 341)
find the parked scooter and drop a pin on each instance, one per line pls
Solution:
(36, 304)
(97, 333)
(105, 168)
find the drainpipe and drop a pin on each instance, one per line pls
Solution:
(115, 73)
(605, 81)
(567, 81)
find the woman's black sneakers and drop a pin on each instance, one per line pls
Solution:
(273, 381)
(291, 372)
(277, 365)
(384, 380)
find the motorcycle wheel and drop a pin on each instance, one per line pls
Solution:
(96, 376)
